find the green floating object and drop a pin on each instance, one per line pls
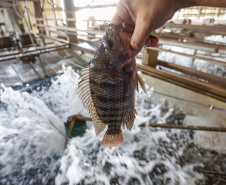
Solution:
(78, 129)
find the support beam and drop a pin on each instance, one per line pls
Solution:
(69, 6)
(33, 53)
(191, 45)
(195, 73)
(74, 30)
(150, 57)
(208, 47)
(191, 56)
(205, 28)
(205, 88)
(84, 7)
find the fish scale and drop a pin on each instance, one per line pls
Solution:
(111, 98)
(107, 86)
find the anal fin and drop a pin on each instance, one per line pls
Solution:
(98, 126)
(141, 82)
(112, 140)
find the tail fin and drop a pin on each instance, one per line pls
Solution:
(112, 140)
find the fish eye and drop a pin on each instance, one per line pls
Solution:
(110, 43)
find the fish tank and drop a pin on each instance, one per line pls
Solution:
(34, 122)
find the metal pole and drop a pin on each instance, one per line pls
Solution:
(55, 18)
(185, 127)
(70, 130)
(28, 17)
(16, 57)
(171, 126)
(33, 43)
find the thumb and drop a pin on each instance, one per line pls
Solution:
(116, 19)
(141, 33)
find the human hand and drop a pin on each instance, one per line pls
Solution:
(141, 17)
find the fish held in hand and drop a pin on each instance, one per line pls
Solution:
(107, 86)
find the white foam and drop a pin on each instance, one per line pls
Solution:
(28, 123)
(209, 140)
(216, 38)
(61, 97)
(29, 134)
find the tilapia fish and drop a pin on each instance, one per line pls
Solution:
(107, 86)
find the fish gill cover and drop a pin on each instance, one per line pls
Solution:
(32, 142)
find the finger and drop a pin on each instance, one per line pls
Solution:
(122, 15)
(116, 19)
(152, 41)
(129, 27)
(141, 34)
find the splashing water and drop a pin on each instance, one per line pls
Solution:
(29, 139)
(32, 137)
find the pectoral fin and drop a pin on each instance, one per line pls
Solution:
(137, 88)
(141, 82)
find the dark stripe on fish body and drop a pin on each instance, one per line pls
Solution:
(96, 70)
(114, 128)
(104, 99)
(105, 85)
(113, 120)
(106, 115)
(113, 109)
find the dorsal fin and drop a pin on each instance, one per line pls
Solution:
(85, 96)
